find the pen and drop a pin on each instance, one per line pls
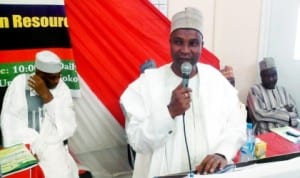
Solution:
(292, 134)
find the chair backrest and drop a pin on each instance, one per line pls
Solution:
(2, 93)
(150, 63)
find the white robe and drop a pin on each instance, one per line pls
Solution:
(215, 123)
(58, 124)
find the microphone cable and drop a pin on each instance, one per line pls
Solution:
(186, 69)
(186, 144)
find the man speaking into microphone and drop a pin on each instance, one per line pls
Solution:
(167, 105)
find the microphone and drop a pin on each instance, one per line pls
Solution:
(186, 69)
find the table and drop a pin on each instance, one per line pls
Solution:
(276, 145)
(278, 148)
(33, 172)
(37, 172)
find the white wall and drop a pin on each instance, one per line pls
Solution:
(231, 31)
(237, 27)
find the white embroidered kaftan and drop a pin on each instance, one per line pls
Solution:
(57, 123)
(215, 122)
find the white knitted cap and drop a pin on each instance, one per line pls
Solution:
(267, 63)
(48, 62)
(189, 18)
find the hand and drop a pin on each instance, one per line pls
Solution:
(289, 108)
(38, 85)
(227, 72)
(180, 100)
(211, 163)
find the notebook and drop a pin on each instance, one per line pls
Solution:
(16, 158)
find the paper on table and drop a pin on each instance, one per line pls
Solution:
(227, 168)
(282, 131)
(288, 168)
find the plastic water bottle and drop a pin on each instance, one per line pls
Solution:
(190, 175)
(247, 150)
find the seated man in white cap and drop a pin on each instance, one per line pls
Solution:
(173, 127)
(38, 111)
(270, 106)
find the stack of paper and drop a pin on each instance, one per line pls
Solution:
(16, 158)
(288, 133)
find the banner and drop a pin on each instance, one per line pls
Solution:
(26, 29)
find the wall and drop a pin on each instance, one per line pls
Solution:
(237, 27)
(231, 31)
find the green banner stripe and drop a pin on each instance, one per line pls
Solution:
(9, 70)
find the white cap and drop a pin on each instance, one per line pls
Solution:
(48, 62)
(267, 63)
(189, 18)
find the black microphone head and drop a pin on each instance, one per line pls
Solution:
(186, 69)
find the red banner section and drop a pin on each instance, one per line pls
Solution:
(28, 55)
(111, 39)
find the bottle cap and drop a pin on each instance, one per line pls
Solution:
(249, 125)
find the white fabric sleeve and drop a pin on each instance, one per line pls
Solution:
(59, 121)
(14, 115)
(146, 131)
(233, 134)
